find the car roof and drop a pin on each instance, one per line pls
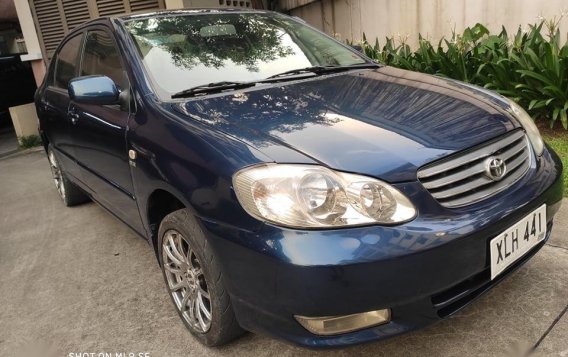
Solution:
(182, 12)
(161, 13)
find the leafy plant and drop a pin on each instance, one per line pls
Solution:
(29, 141)
(559, 142)
(530, 67)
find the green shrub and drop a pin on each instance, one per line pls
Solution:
(530, 67)
(29, 141)
(559, 143)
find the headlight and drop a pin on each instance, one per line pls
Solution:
(528, 124)
(309, 196)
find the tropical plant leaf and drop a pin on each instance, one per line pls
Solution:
(530, 67)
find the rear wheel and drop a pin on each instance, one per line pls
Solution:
(68, 191)
(194, 280)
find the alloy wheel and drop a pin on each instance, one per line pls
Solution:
(186, 282)
(57, 175)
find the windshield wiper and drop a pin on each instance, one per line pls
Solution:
(212, 88)
(319, 70)
(216, 87)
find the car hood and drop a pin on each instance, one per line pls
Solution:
(384, 123)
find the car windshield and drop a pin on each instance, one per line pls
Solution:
(185, 51)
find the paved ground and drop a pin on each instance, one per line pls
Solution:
(8, 141)
(76, 280)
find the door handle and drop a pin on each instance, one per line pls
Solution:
(45, 105)
(73, 115)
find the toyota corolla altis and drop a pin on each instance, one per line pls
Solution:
(287, 183)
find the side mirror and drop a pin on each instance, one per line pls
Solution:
(93, 90)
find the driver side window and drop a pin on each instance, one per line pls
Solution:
(66, 62)
(101, 57)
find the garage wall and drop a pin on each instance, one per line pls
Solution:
(433, 18)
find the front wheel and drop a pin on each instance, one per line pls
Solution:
(194, 280)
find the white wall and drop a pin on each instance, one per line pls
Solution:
(188, 4)
(433, 18)
(28, 30)
(174, 4)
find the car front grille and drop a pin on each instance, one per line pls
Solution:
(464, 178)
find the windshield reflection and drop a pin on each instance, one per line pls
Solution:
(189, 50)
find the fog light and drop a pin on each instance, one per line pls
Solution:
(333, 325)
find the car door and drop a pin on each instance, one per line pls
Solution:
(99, 131)
(54, 105)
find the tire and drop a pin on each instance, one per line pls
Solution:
(68, 191)
(195, 284)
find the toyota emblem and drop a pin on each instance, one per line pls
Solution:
(495, 168)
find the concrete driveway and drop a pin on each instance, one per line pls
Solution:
(76, 280)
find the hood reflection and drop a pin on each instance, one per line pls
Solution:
(386, 122)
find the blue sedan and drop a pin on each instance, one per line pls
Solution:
(288, 184)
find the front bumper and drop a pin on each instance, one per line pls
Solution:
(423, 271)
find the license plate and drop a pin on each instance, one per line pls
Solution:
(513, 243)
